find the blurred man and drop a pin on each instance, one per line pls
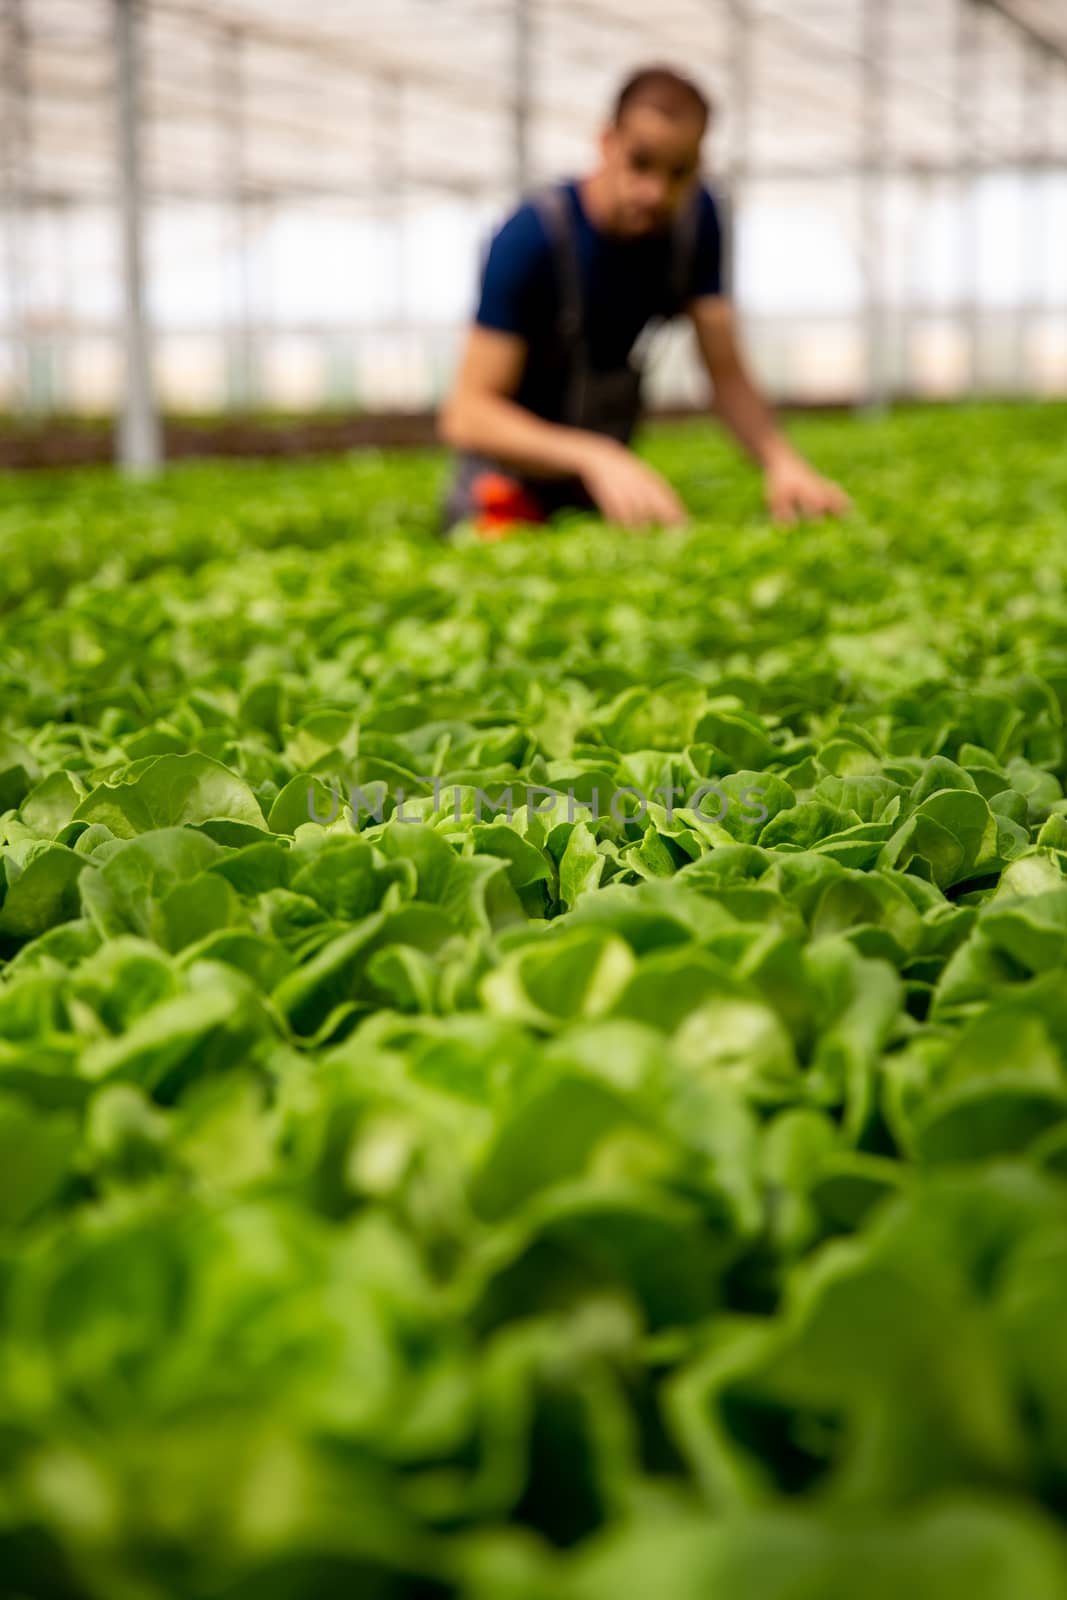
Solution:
(547, 395)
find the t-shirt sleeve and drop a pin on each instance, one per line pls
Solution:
(707, 275)
(516, 283)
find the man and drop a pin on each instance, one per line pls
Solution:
(547, 396)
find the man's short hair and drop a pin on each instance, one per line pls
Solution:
(669, 91)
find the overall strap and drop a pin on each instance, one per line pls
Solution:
(553, 206)
(684, 231)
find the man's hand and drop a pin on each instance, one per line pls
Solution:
(626, 490)
(794, 489)
(482, 415)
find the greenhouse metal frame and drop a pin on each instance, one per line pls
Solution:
(124, 107)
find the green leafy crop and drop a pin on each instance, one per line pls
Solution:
(537, 1069)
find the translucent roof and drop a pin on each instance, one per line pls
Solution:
(321, 174)
(375, 101)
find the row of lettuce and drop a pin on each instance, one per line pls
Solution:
(537, 1069)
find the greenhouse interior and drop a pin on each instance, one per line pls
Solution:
(311, 191)
(533, 800)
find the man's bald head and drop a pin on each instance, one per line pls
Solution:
(666, 91)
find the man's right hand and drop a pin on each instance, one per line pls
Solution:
(628, 491)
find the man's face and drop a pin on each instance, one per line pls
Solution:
(650, 160)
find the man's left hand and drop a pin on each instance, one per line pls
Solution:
(794, 489)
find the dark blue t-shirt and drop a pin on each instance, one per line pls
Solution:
(625, 283)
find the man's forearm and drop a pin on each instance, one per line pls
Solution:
(494, 426)
(740, 407)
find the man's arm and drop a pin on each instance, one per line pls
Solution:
(792, 485)
(480, 415)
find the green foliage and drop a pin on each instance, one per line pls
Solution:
(537, 1069)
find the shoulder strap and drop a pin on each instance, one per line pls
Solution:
(683, 249)
(554, 208)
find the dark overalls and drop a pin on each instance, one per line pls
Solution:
(495, 496)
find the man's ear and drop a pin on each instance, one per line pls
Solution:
(608, 137)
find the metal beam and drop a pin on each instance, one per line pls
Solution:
(181, 188)
(967, 90)
(1031, 139)
(522, 106)
(389, 112)
(16, 190)
(184, 189)
(461, 88)
(742, 59)
(230, 113)
(139, 447)
(875, 23)
(923, 311)
(1035, 35)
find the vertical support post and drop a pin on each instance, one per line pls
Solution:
(231, 112)
(1036, 134)
(967, 91)
(1055, 303)
(873, 199)
(389, 120)
(139, 449)
(16, 181)
(925, 195)
(265, 303)
(390, 123)
(400, 207)
(741, 57)
(66, 328)
(522, 93)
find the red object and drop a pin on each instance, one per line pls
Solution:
(503, 504)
